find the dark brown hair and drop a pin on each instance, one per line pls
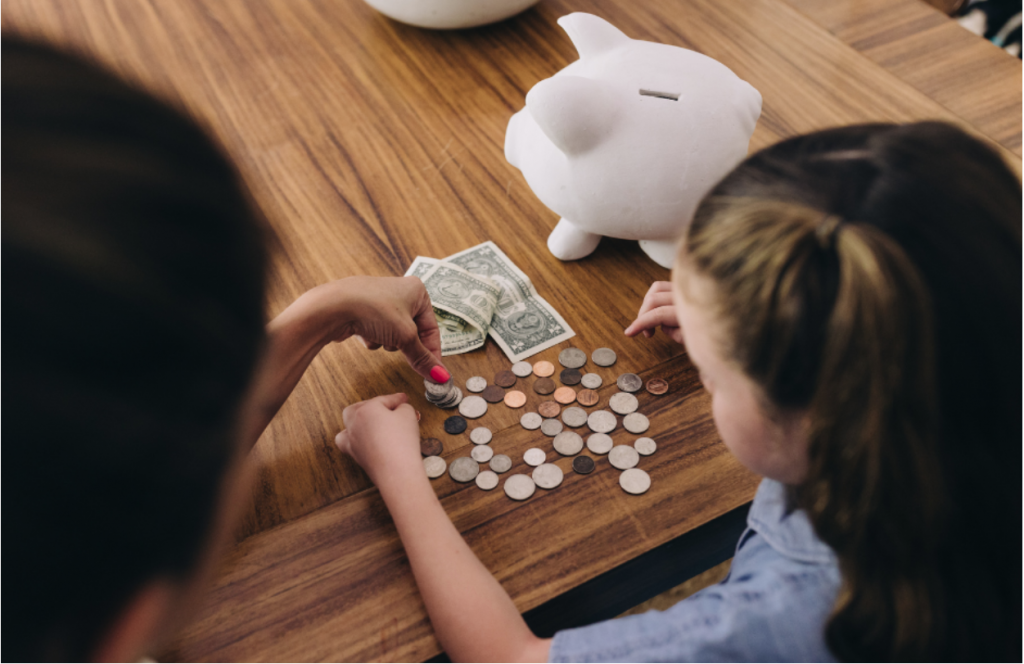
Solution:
(870, 277)
(133, 273)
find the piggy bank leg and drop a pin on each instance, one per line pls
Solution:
(662, 252)
(568, 242)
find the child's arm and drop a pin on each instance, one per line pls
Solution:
(473, 616)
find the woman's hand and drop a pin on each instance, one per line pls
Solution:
(381, 433)
(657, 311)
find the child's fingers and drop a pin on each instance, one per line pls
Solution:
(392, 401)
(657, 296)
(350, 411)
(342, 441)
(653, 319)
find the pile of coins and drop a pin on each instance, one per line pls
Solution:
(443, 395)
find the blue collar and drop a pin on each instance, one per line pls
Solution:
(788, 532)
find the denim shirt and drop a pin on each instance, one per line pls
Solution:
(772, 606)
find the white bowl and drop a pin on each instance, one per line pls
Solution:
(449, 14)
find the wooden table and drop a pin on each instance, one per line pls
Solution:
(367, 143)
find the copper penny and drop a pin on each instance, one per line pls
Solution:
(544, 386)
(493, 394)
(657, 386)
(543, 369)
(549, 409)
(504, 379)
(431, 447)
(570, 377)
(588, 398)
(565, 395)
(515, 399)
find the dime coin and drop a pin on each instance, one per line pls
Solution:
(515, 399)
(544, 386)
(472, 407)
(531, 421)
(519, 487)
(583, 465)
(438, 389)
(592, 381)
(481, 435)
(623, 403)
(568, 443)
(570, 376)
(601, 421)
(604, 357)
(636, 423)
(476, 384)
(487, 480)
(588, 398)
(454, 425)
(551, 427)
(547, 476)
(572, 358)
(657, 386)
(635, 481)
(534, 456)
(623, 457)
(430, 447)
(574, 416)
(599, 443)
(504, 379)
(630, 382)
(493, 394)
(435, 466)
(463, 469)
(501, 463)
(549, 409)
(482, 453)
(543, 369)
(522, 369)
(645, 446)
(565, 395)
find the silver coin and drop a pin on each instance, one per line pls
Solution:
(572, 358)
(438, 389)
(531, 421)
(623, 457)
(482, 453)
(481, 435)
(519, 487)
(551, 427)
(501, 463)
(604, 357)
(623, 403)
(568, 443)
(574, 416)
(476, 384)
(435, 466)
(591, 381)
(452, 400)
(645, 446)
(599, 443)
(463, 469)
(547, 476)
(487, 480)
(522, 369)
(636, 422)
(472, 407)
(628, 382)
(601, 421)
(635, 481)
(534, 456)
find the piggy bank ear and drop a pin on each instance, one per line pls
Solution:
(592, 35)
(574, 112)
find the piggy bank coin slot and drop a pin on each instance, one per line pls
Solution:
(673, 96)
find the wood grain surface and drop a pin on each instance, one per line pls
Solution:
(366, 143)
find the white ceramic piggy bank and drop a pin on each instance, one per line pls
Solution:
(626, 141)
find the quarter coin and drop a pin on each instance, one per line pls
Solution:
(519, 487)
(572, 358)
(522, 369)
(430, 447)
(565, 395)
(591, 381)
(435, 466)
(481, 435)
(635, 481)
(547, 476)
(601, 421)
(645, 446)
(531, 421)
(623, 403)
(599, 443)
(493, 394)
(501, 463)
(570, 376)
(549, 409)
(657, 386)
(630, 382)
(544, 386)
(604, 357)
(623, 457)
(464, 469)
(472, 407)
(543, 369)
(568, 443)
(504, 379)
(515, 399)
(551, 427)
(482, 453)
(534, 456)
(636, 423)
(454, 425)
(574, 416)
(487, 480)
(476, 384)
(588, 398)
(583, 465)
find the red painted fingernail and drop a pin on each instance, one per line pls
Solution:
(440, 375)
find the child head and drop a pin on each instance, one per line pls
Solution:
(133, 281)
(865, 282)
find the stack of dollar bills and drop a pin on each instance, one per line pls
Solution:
(480, 292)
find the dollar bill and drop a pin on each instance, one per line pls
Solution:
(457, 336)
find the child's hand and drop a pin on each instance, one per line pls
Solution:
(380, 433)
(657, 310)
